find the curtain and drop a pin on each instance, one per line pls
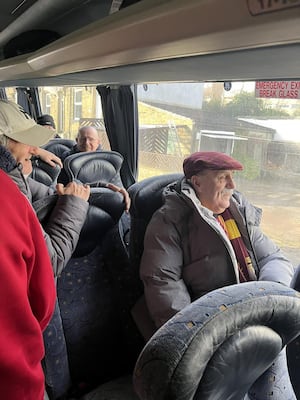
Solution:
(119, 106)
(3, 94)
(28, 98)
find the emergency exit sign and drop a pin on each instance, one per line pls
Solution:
(278, 89)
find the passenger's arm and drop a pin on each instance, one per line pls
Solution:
(47, 156)
(273, 265)
(123, 191)
(115, 188)
(64, 225)
(161, 271)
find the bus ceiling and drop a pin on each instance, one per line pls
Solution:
(107, 42)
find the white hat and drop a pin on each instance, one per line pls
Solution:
(16, 124)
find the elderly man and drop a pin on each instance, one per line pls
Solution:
(87, 139)
(206, 236)
(20, 137)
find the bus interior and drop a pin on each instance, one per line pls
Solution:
(160, 79)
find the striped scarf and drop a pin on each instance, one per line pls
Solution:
(246, 270)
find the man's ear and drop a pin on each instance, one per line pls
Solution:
(196, 182)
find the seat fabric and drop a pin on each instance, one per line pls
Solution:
(293, 349)
(43, 172)
(146, 198)
(58, 146)
(85, 341)
(92, 167)
(196, 352)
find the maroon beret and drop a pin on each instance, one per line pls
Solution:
(201, 160)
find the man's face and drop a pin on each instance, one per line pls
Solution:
(214, 189)
(88, 139)
(22, 153)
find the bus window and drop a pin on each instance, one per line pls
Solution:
(11, 94)
(262, 132)
(73, 107)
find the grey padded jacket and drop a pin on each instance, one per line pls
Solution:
(61, 230)
(187, 253)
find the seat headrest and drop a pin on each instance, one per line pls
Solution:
(197, 346)
(43, 172)
(92, 167)
(146, 195)
(59, 146)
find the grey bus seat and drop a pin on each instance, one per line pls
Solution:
(84, 342)
(146, 198)
(56, 363)
(58, 146)
(293, 349)
(43, 172)
(92, 167)
(219, 346)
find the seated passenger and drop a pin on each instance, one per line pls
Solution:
(47, 121)
(87, 139)
(204, 237)
(20, 138)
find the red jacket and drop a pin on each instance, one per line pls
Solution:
(27, 296)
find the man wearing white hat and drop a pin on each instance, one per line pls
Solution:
(20, 137)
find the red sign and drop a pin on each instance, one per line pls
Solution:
(278, 89)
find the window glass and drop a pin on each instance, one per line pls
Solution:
(47, 103)
(73, 107)
(77, 104)
(257, 123)
(11, 93)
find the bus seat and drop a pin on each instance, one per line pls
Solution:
(43, 172)
(146, 198)
(58, 146)
(56, 363)
(92, 167)
(87, 316)
(220, 345)
(293, 349)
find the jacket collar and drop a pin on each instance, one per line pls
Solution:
(7, 161)
(239, 205)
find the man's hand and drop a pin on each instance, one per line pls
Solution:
(47, 156)
(124, 192)
(75, 189)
